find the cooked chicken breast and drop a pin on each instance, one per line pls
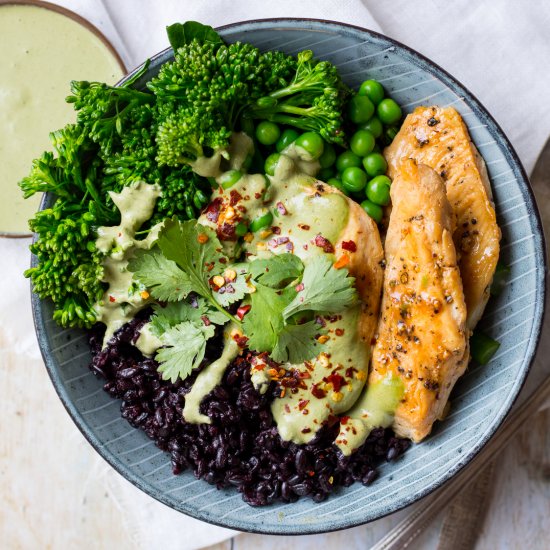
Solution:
(422, 336)
(438, 138)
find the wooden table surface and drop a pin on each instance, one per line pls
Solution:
(53, 495)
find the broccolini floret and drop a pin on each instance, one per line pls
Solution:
(313, 101)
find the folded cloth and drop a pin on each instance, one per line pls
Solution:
(496, 48)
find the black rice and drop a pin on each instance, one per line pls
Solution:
(241, 447)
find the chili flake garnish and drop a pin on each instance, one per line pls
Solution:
(336, 380)
(317, 392)
(302, 404)
(324, 243)
(242, 311)
(350, 246)
(281, 209)
(342, 261)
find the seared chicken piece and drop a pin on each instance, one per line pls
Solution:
(438, 138)
(422, 336)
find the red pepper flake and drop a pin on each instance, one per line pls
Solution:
(344, 420)
(302, 404)
(349, 246)
(212, 211)
(324, 243)
(339, 332)
(276, 230)
(336, 380)
(299, 287)
(305, 375)
(112, 299)
(317, 392)
(257, 196)
(202, 238)
(304, 226)
(226, 231)
(287, 408)
(308, 366)
(311, 473)
(242, 311)
(281, 208)
(241, 340)
(320, 321)
(205, 320)
(349, 372)
(278, 241)
(234, 198)
(306, 430)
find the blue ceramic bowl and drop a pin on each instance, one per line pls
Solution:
(482, 397)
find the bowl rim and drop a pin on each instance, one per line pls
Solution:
(540, 274)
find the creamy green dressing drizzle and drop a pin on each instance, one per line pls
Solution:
(122, 299)
(209, 378)
(147, 342)
(375, 408)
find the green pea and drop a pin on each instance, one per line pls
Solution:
(375, 164)
(230, 178)
(335, 182)
(262, 221)
(360, 109)
(267, 133)
(354, 179)
(326, 173)
(241, 229)
(374, 126)
(378, 190)
(287, 137)
(373, 210)
(328, 157)
(388, 111)
(271, 163)
(312, 143)
(373, 90)
(361, 143)
(347, 159)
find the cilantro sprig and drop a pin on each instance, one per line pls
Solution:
(187, 273)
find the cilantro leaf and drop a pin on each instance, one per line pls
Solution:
(186, 345)
(325, 289)
(265, 320)
(177, 312)
(196, 250)
(232, 292)
(164, 279)
(277, 271)
(297, 343)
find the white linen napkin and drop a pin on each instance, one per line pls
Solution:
(497, 48)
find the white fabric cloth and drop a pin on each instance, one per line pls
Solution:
(497, 48)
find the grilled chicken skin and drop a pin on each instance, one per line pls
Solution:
(438, 138)
(422, 335)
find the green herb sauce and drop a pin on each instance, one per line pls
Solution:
(122, 299)
(42, 51)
